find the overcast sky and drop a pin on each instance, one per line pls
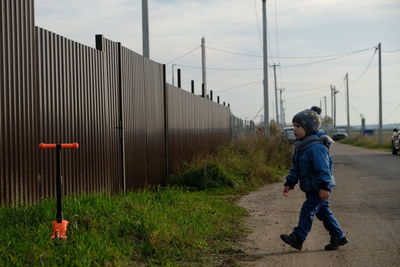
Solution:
(301, 30)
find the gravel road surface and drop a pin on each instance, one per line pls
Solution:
(366, 201)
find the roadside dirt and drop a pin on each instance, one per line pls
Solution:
(366, 201)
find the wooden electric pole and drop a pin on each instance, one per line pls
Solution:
(276, 93)
(380, 96)
(203, 63)
(348, 103)
(265, 58)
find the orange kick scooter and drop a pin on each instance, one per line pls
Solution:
(59, 225)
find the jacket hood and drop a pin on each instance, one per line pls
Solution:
(319, 138)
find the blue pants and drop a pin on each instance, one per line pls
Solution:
(320, 208)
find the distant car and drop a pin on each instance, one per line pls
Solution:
(339, 134)
(396, 141)
(288, 133)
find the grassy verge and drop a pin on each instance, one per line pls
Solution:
(366, 142)
(185, 223)
(240, 166)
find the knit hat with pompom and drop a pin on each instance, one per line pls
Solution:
(309, 120)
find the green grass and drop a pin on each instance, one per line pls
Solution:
(189, 223)
(161, 226)
(366, 142)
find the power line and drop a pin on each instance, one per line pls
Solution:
(392, 51)
(258, 23)
(217, 68)
(280, 57)
(268, 38)
(306, 95)
(276, 31)
(387, 117)
(316, 62)
(248, 114)
(289, 66)
(365, 71)
(183, 55)
(302, 100)
(238, 109)
(258, 112)
(302, 97)
(307, 89)
(319, 83)
(232, 52)
(277, 44)
(238, 86)
(359, 113)
(374, 101)
(333, 55)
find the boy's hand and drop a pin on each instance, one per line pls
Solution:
(323, 194)
(286, 191)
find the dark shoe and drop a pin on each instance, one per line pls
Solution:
(292, 240)
(336, 242)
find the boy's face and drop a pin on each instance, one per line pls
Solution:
(299, 131)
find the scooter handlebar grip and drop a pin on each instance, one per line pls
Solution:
(70, 146)
(63, 146)
(47, 146)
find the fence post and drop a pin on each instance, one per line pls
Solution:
(224, 103)
(165, 121)
(179, 78)
(192, 83)
(211, 95)
(218, 99)
(202, 90)
(121, 118)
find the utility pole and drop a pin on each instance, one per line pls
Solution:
(334, 108)
(281, 105)
(332, 115)
(203, 63)
(276, 93)
(326, 112)
(265, 59)
(380, 96)
(145, 29)
(348, 103)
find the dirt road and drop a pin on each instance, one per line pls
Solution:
(366, 201)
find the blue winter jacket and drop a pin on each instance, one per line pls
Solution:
(311, 164)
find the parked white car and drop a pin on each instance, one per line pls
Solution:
(288, 133)
(339, 134)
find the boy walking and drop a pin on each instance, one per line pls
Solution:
(312, 168)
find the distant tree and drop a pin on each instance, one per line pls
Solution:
(326, 122)
(274, 128)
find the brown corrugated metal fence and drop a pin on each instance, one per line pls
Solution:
(18, 103)
(73, 108)
(195, 125)
(133, 128)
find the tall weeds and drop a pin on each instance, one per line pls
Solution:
(250, 161)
